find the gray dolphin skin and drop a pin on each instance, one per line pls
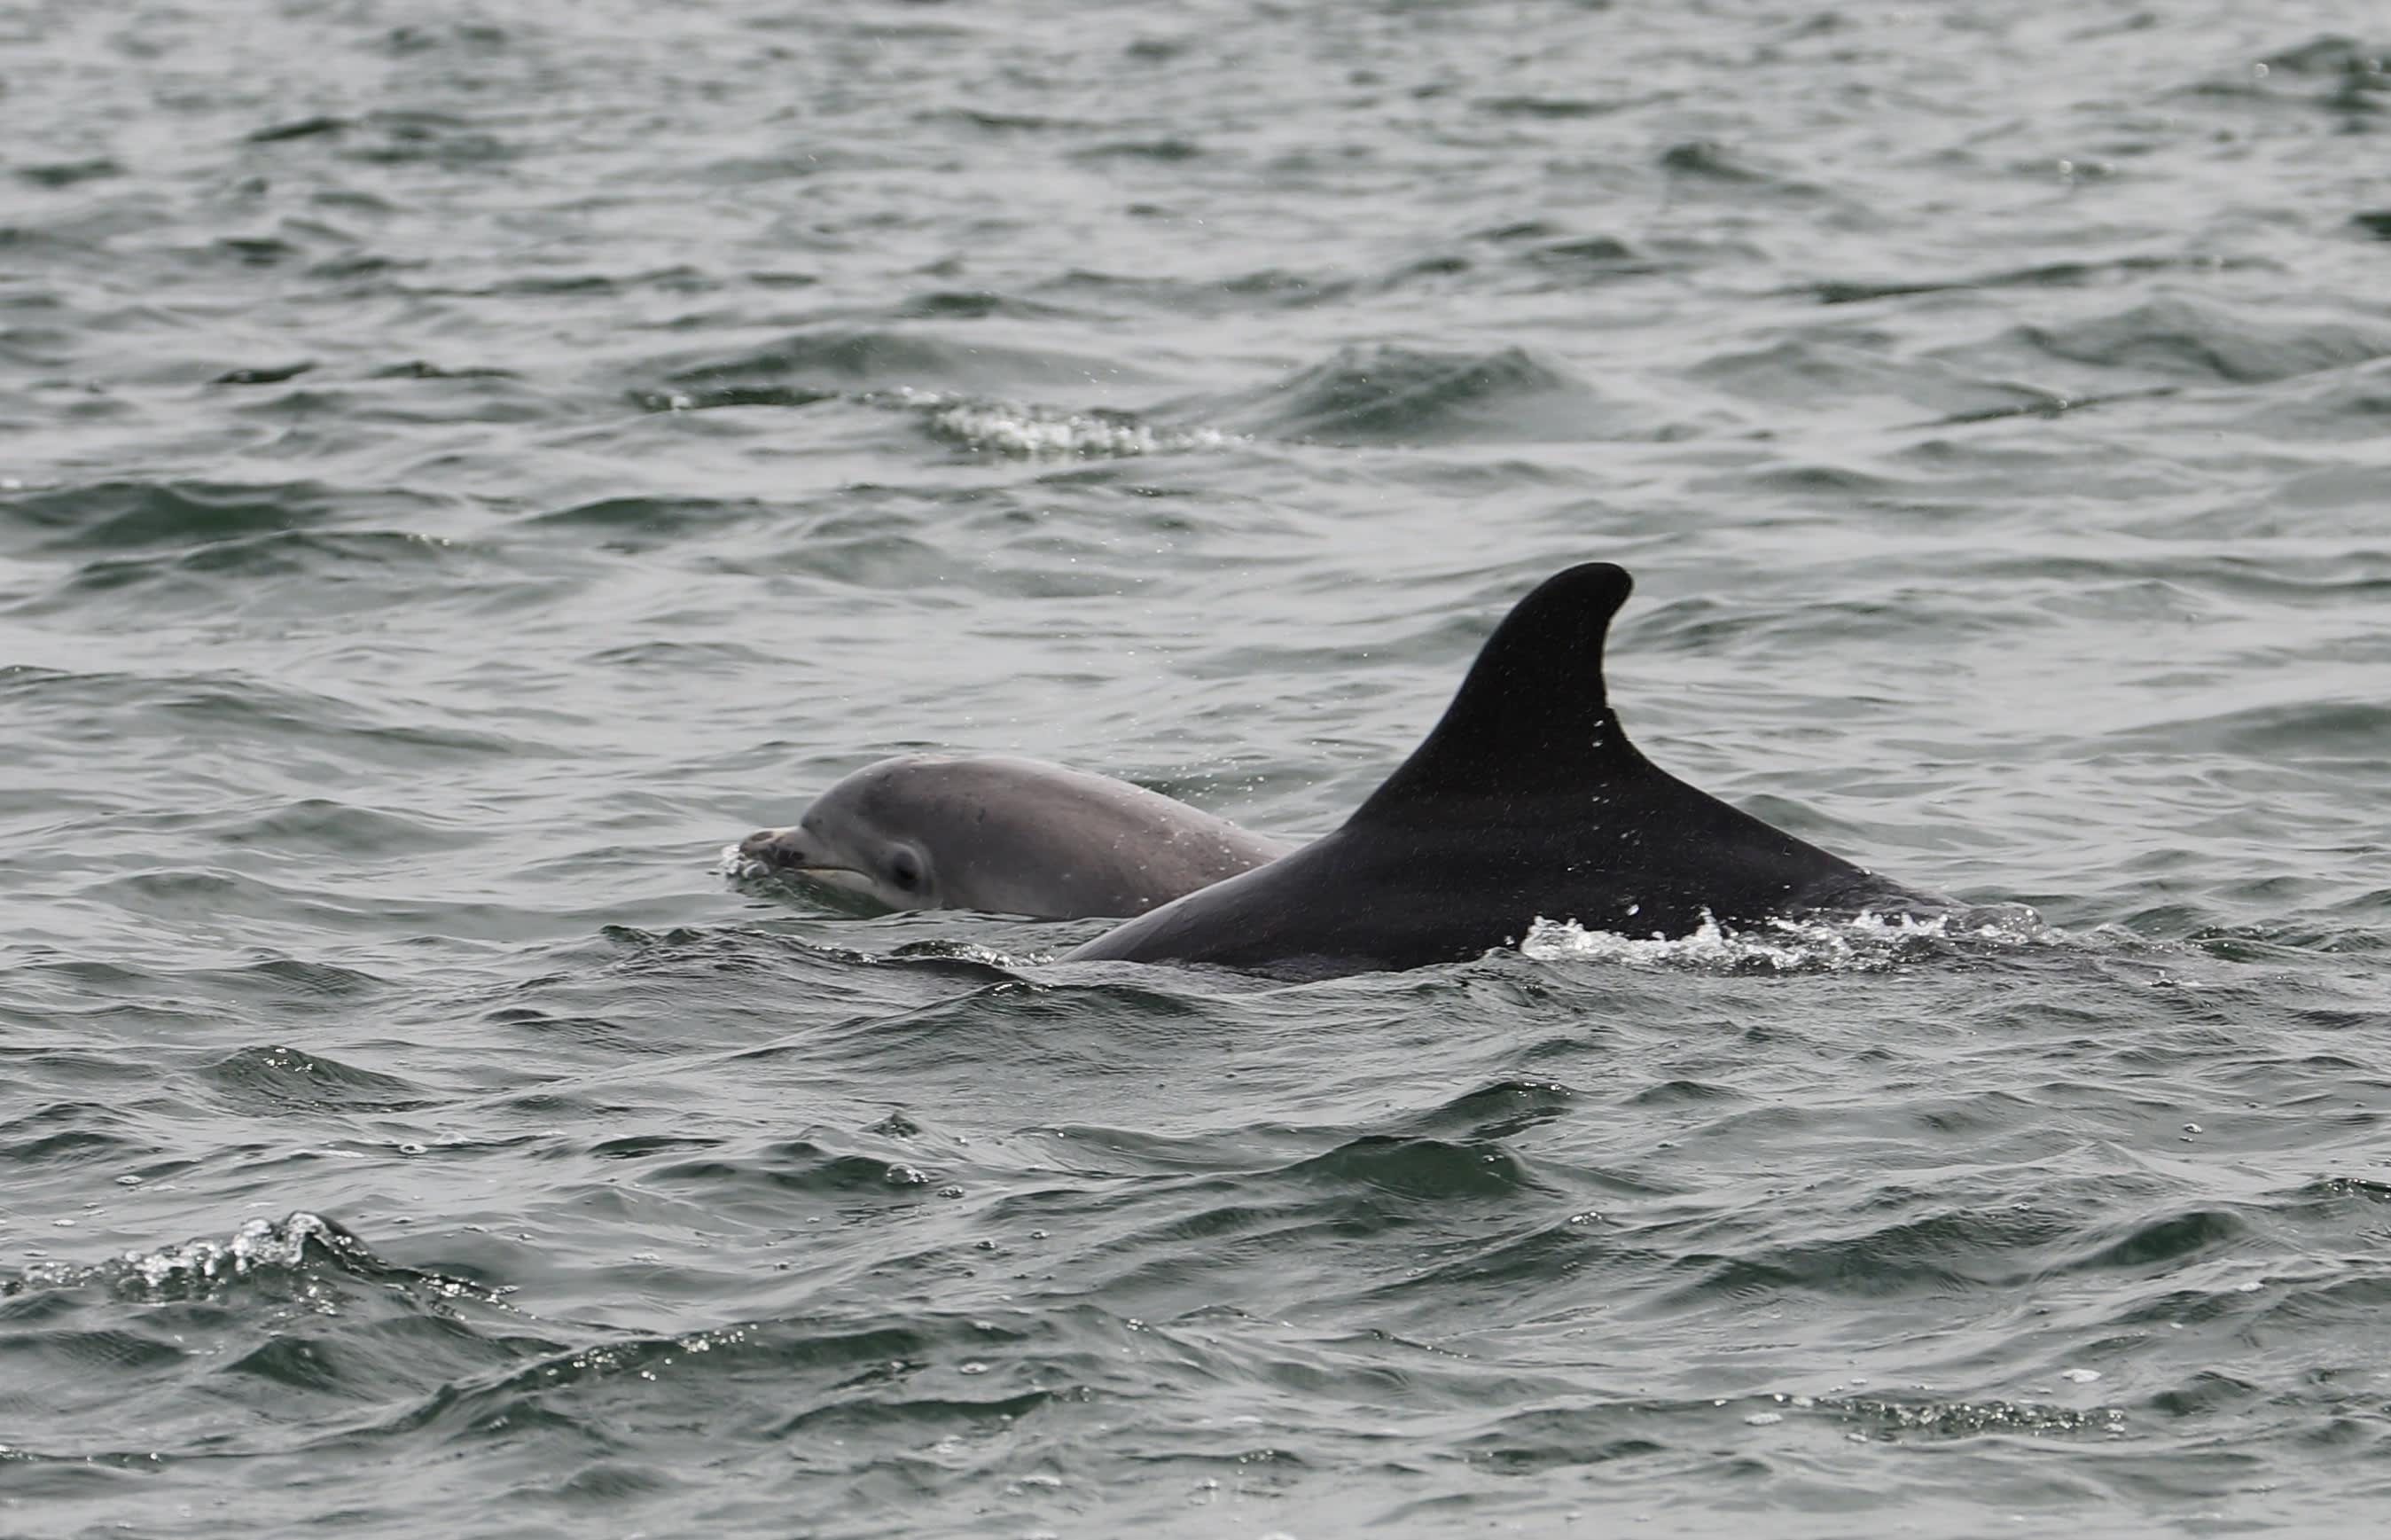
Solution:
(1527, 802)
(1009, 836)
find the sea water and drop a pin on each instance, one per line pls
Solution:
(462, 464)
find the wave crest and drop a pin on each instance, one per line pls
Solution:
(1860, 943)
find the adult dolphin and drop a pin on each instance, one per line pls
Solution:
(1008, 835)
(1526, 802)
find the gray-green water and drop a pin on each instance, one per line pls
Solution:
(464, 465)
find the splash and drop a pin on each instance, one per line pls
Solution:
(259, 1246)
(1860, 943)
(299, 1256)
(1044, 432)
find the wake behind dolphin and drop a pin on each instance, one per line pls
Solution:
(1527, 802)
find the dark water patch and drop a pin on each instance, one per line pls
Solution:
(250, 708)
(256, 252)
(1841, 363)
(262, 736)
(70, 1135)
(375, 1361)
(801, 1168)
(640, 1145)
(67, 173)
(1705, 168)
(1563, 1438)
(1956, 1252)
(733, 977)
(121, 515)
(270, 1081)
(836, 360)
(1502, 1110)
(1551, 107)
(297, 573)
(1391, 394)
(2049, 275)
(2047, 404)
(603, 1034)
(1086, 1150)
(1444, 266)
(1683, 1092)
(292, 979)
(300, 128)
(888, 561)
(419, 369)
(337, 830)
(2298, 732)
(2334, 72)
(2331, 56)
(684, 660)
(1589, 259)
(1170, 150)
(2187, 337)
(2204, 1394)
(999, 122)
(404, 138)
(636, 524)
(607, 1485)
(1104, 1030)
(1264, 291)
(2163, 1243)
(264, 374)
(1460, 1271)
(1433, 1170)
(974, 305)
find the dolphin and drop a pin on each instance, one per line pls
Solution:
(1007, 836)
(1527, 802)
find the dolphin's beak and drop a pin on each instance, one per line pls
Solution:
(771, 847)
(785, 850)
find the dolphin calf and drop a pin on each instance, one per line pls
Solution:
(1007, 836)
(1527, 802)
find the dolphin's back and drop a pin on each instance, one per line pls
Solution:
(1526, 802)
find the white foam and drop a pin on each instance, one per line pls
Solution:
(1859, 943)
(258, 1243)
(1045, 433)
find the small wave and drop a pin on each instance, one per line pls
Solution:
(1887, 1418)
(1861, 943)
(200, 1267)
(1387, 393)
(1044, 432)
(300, 1248)
(2180, 337)
(196, 1267)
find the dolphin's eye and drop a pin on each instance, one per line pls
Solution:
(905, 870)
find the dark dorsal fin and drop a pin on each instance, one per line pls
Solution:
(1534, 716)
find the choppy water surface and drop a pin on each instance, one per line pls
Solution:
(464, 465)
